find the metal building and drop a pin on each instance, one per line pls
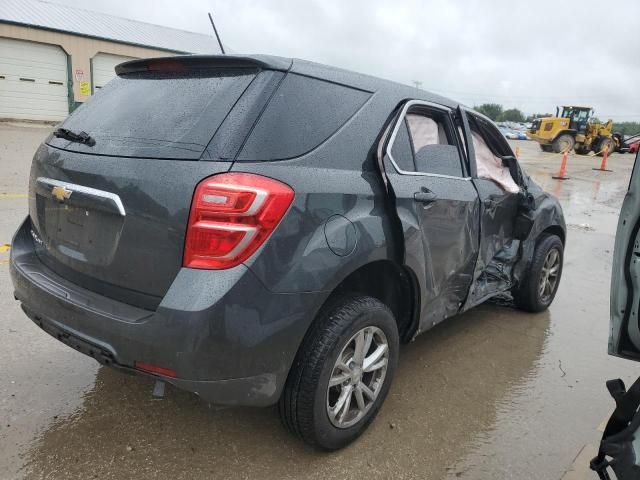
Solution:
(53, 57)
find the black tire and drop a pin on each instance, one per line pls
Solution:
(304, 402)
(563, 143)
(605, 141)
(527, 295)
(582, 150)
(546, 148)
(618, 139)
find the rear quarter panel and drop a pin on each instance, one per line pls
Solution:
(339, 177)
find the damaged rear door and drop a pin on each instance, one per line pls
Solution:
(624, 333)
(437, 206)
(500, 197)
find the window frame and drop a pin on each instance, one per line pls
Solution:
(455, 140)
(478, 117)
(491, 142)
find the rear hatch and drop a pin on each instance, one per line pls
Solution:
(112, 216)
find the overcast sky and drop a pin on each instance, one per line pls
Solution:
(530, 55)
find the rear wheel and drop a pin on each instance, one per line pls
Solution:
(540, 283)
(563, 143)
(618, 140)
(342, 373)
(581, 150)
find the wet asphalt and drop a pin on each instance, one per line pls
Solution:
(492, 394)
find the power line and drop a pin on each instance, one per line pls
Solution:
(537, 97)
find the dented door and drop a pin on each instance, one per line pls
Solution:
(499, 201)
(438, 214)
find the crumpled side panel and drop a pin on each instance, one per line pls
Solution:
(446, 292)
(547, 213)
(503, 260)
(498, 274)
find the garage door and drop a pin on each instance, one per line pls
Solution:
(102, 68)
(33, 81)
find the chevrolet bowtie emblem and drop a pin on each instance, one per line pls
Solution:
(61, 193)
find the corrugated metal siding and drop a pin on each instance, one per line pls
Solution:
(63, 18)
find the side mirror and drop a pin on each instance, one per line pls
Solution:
(438, 159)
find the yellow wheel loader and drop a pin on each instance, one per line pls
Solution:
(573, 128)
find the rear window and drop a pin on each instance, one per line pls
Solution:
(303, 113)
(154, 115)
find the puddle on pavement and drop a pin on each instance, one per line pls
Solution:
(448, 390)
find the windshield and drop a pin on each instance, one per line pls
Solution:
(577, 114)
(156, 115)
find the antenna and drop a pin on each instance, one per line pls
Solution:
(217, 36)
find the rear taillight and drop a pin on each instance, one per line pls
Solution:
(232, 214)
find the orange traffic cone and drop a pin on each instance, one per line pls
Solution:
(605, 157)
(563, 168)
(517, 152)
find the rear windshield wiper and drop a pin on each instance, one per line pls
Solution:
(82, 137)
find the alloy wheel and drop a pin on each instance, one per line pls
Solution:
(357, 377)
(549, 275)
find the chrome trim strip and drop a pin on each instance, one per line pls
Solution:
(394, 133)
(86, 190)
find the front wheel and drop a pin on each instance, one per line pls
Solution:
(563, 143)
(539, 284)
(342, 373)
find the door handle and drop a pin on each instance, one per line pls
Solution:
(425, 196)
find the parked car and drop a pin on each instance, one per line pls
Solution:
(508, 133)
(259, 230)
(633, 143)
(522, 135)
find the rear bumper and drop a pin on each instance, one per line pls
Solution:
(227, 337)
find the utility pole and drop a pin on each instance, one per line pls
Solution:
(215, 30)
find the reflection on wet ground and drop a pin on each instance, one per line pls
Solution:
(495, 393)
(441, 387)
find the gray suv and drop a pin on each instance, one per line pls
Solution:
(262, 230)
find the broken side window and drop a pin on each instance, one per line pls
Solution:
(489, 151)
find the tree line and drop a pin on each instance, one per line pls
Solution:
(497, 113)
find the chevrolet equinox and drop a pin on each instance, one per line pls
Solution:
(262, 230)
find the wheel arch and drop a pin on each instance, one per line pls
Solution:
(393, 284)
(568, 131)
(548, 219)
(556, 230)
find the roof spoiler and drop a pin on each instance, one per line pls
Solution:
(201, 62)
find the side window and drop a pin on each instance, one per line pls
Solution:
(401, 150)
(434, 146)
(489, 153)
(492, 136)
(303, 113)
